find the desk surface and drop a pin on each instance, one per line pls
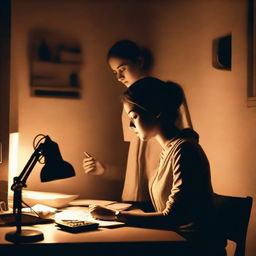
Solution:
(119, 241)
(103, 235)
(128, 240)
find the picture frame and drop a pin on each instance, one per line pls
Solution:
(251, 89)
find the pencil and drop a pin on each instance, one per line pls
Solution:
(86, 154)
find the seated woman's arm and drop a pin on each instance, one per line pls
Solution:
(145, 219)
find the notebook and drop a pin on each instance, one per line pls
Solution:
(8, 219)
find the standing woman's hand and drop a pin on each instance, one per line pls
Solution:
(92, 165)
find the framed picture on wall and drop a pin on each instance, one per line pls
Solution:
(251, 91)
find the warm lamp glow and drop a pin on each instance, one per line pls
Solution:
(13, 159)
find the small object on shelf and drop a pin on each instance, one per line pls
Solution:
(75, 226)
(74, 80)
(44, 52)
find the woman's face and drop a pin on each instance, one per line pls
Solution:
(143, 125)
(125, 70)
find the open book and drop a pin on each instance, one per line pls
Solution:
(79, 212)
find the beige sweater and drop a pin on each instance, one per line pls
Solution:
(181, 186)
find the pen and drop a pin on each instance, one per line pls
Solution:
(86, 154)
(70, 220)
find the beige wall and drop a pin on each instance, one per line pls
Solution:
(183, 33)
(180, 33)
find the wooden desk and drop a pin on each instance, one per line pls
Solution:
(121, 241)
(104, 241)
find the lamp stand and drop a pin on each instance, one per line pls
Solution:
(25, 235)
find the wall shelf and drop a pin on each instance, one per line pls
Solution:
(57, 91)
(55, 67)
(50, 74)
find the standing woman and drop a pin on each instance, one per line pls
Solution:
(129, 64)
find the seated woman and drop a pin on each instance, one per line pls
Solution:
(180, 190)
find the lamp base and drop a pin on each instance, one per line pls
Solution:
(25, 236)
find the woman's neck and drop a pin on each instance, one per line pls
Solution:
(163, 136)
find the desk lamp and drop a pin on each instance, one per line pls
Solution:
(54, 168)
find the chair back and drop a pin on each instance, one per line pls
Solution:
(233, 214)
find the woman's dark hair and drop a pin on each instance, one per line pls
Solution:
(127, 49)
(156, 97)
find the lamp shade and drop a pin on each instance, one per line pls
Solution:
(55, 167)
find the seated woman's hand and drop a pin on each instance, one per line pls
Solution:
(92, 165)
(102, 213)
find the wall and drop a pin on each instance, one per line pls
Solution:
(183, 33)
(180, 33)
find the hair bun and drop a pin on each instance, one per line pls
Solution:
(173, 95)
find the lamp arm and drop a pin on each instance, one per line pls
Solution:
(22, 178)
(20, 182)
